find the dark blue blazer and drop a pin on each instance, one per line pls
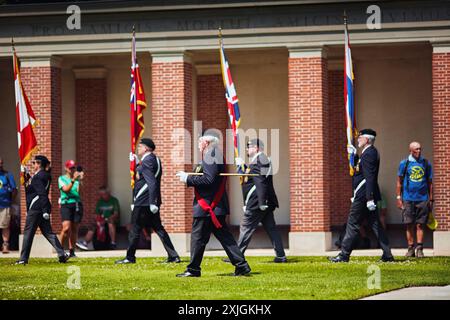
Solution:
(36, 192)
(259, 190)
(208, 184)
(147, 187)
(367, 168)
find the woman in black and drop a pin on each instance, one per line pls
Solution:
(38, 210)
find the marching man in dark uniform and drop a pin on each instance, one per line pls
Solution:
(210, 209)
(260, 200)
(147, 201)
(366, 193)
(38, 210)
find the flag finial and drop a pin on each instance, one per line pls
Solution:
(220, 32)
(12, 44)
(345, 17)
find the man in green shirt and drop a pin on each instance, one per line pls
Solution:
(107, 211)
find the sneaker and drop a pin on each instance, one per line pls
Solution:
(83, 245)
(419, 252)
(411, 253)
(20, 262)
(5, 249)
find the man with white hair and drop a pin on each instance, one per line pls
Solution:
(414, 196)
(366, 193)
(210, 209)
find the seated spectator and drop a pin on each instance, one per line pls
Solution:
(107, 218)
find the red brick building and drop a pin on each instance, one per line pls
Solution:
(286, 58)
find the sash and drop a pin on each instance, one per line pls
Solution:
(210, 208)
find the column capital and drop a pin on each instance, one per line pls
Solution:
(441, 47)
(90, 73)
(308, 52)
(171, 56)
(41, 61)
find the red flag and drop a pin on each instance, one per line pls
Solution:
(26, 120)
(137, 107)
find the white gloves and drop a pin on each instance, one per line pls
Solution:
(153, 208)
(351, 149)
(132, 207)
(46, 216)
(244, 208)
(371, 205)
(133, 157)
(182, 175)
(239, 161)
(263, 207)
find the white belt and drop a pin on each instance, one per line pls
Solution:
(357, 189)
(140, 192)
(249, 194)
(33, 201)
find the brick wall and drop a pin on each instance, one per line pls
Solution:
(308, 136)
(211, 104)
(43, 88)
(341, 183)
(91, 138)
(171, 110)
(441, 138)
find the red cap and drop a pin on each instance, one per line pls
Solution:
(70, 164)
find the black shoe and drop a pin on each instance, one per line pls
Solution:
(387, 259)
(339, 258)
(125, 261)
(113, 246)
(280, 260)
(411, 252)
(20, 262)
(72, 254)
(188, 274)
(63, 259)
(226, 260)
(173, 260)
(243, 271)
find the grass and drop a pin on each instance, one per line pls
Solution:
(301, 278)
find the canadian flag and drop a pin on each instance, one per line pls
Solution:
(26, 120)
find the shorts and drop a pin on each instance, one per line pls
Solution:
(415, 212)
(72, 212)
(5, 217)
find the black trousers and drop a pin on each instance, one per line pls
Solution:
(201, 232)
(358, 211)
(142, 217)
(248, 226)
(33, 221)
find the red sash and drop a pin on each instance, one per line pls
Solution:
(210, 208)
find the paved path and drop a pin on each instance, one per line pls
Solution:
(414, 293)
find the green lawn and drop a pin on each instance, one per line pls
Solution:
(301, 278)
